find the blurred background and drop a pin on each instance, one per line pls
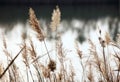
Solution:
(80, 16)
(80, 20)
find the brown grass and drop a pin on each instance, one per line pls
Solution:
(95, 68)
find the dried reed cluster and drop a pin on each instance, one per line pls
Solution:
(56, 17)
(35, 24)
(96, 66)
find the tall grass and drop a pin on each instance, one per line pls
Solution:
(96, 67)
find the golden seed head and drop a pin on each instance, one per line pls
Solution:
(35, 24)
(52, 65)
(56, 15)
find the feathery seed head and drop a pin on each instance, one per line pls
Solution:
(56, 15)
(35, 24)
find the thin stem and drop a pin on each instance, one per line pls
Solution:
(22, 77)
(118, 73)
(107, 78)
(11, 63)
(31, 74)
(54, 77)
(27, 74)
(83, 69)
(38, 72)
(47, 50)
(36, 59)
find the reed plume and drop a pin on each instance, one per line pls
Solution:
(35, 24)
(56, 17)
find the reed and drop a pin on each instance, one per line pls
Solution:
(96, 66)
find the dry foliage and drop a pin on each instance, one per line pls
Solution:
(95, 68)
(56, 16)
(35, 24)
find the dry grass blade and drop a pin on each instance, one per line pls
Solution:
(79, 52)
(90, 74)
(40, 57)
(31, 49)
(11, 63)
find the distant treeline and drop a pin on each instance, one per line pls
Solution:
(58, 2)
